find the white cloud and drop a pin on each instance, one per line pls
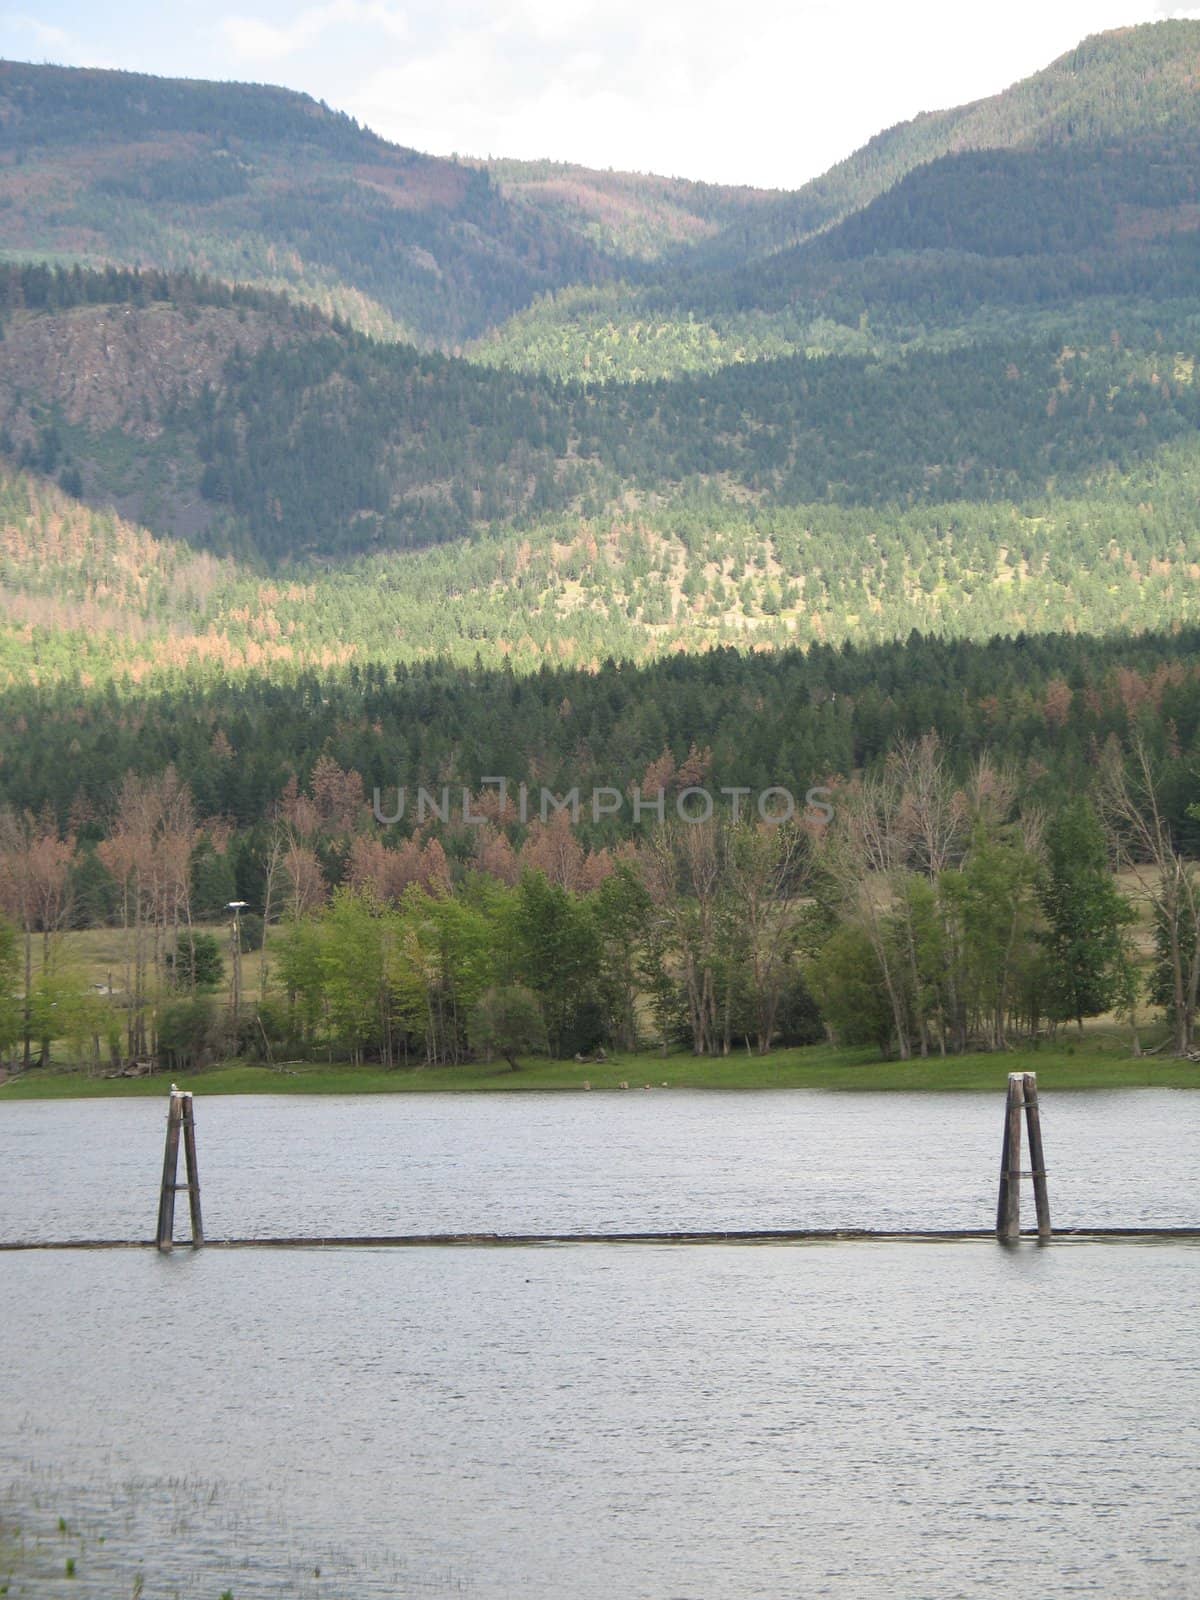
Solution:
(761, 93)
(251, 39)
(45, 33)
(769, 92)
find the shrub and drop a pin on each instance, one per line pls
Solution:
(190, 1034)
(508, 1022)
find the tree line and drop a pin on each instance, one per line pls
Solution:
(925, 911)
(1046, 705)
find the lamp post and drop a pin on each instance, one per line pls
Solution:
(235, 908)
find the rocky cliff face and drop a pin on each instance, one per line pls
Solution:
(120, 366)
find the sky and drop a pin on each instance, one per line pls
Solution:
(753, 92)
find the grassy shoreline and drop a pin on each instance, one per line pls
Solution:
(1084, 1065)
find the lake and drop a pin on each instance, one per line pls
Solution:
(858, 1419)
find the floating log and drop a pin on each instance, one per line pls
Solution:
(524, 1241)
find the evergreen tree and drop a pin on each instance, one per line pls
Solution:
(1085, 914)
(196, 963)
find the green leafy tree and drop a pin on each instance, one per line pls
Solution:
(847, 983)
(301, 967)
(190, 1034)
(558, 958)
(989, 907)
(1085, 916)
(63, 1009)
(11, 1010)
(620, 910)
(507, 1021)
(354, 963)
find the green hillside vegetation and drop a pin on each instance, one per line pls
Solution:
(630, 215)
(255, 431)
(1068, 242)
(269, 187)
(1071, 189)
(91, 596)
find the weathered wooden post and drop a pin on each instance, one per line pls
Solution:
(1037, 1161)
(1008, 1206)
(1022, 1096)
(179, 1119)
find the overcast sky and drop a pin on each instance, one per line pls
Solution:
(763, 93)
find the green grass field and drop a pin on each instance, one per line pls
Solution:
(1088, 1064)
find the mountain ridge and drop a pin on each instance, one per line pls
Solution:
(1000, 329)
(265, 185)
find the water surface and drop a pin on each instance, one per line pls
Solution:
(920, 1421)
(276, 1166)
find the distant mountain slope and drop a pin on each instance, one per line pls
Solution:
(1068, 242)
(262, 185)
(88, 598)
(631, 214)
(254, 427)
(1116, 86)
(1073, 188)
(99, 372)
(1001, 228)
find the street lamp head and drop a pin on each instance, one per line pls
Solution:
(237, 905)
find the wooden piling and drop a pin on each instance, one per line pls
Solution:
(1008, 1205)
(179, 1120)
(1037, 1160)
(193, 1171)
(166, 1199)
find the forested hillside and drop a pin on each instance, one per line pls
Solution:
(265, 186)
(89, 597)
(1044, 705)
(254, 429)
(1060, 202)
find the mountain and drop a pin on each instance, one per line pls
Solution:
(265, 186)
(1066, 195)
(1000, 328)
(1119, 86)
(634, 216)
(255, 427)
(268, 187)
